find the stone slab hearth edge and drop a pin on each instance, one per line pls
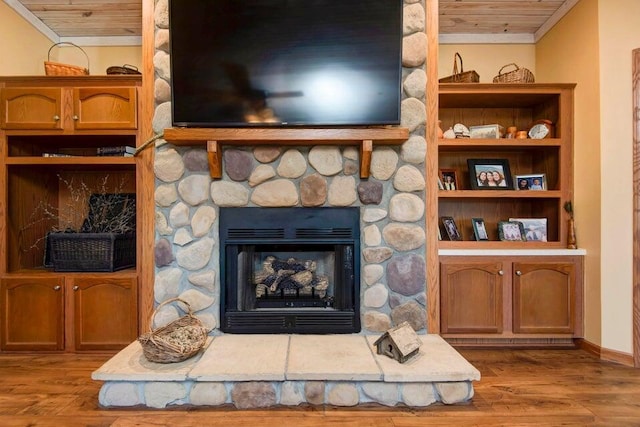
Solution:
(257, 371)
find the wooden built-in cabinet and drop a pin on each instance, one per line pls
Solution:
(72, 313)
(50, 130)
(526, 293)
(69, 108)
(511, 299)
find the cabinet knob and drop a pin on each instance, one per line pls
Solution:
(57, 288)
(76, 287)
(56, 118)
(75, 117)
(500, 273)
(518, 273)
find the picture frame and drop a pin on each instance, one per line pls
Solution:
(449, 178)
(535, 229)
(450, 228)
(534, 182)
(486, 131)
(479, 229)
(490, 174)
(511, 231)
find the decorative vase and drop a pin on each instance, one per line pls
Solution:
(571, 235)
(440, 131)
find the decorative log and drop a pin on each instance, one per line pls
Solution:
(290, 274)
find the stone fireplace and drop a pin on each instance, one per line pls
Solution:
(369, 269)
(389, 205)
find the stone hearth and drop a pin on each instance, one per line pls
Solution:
(289, 370)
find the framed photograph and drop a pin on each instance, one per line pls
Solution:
(450, 228)
(490, 174)
(536, 181)
(479, 229)
(535, 229)
(449, 179)
(511, 231)
(486, 131)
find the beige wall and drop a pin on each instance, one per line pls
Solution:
(22, 47)
(619, 35)
(559, 59)
(23, 50)
(486, 60)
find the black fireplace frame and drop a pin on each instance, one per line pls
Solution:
(337, 228)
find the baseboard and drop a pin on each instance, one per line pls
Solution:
(606, 354)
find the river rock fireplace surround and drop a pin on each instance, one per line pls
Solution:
(384, 183)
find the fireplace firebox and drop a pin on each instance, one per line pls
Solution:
(290, 270)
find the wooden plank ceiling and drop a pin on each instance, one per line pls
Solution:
(96, 18)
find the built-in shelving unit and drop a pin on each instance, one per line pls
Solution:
(50, 131)
(495, 292)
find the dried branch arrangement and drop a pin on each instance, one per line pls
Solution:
(87, 210)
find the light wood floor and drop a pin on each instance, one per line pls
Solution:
(518, 388)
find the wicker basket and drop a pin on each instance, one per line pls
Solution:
(177, 341)
(58, 69)
(92, 251)
(519, 75)
(461, 76)
(125, 69)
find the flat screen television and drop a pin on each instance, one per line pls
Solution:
(241, 63)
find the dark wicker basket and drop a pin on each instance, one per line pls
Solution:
(92, 251)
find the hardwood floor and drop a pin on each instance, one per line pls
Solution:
(518, 388)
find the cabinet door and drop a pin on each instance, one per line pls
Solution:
(471, 297)
(32, 314)
(543, 297)
(31, 108)
(105, 312)
(105, 108)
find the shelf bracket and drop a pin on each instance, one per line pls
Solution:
(366, 148)
(214, 155)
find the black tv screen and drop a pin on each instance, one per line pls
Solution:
(285, 62)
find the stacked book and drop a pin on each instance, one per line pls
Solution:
(117, 150)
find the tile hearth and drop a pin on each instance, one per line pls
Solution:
(255, 371)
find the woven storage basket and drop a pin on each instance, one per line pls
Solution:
(58, 69)
(519, 75)
(461, 76)
(92, 251)
(177, 341)
(125, 69)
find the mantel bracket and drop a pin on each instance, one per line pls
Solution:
(214, 154)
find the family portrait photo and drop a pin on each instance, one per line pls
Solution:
(450, 228)
(479, 229)
(535, 229)
(489, 174)
(511, 231)
(449, 179)
(531, 182)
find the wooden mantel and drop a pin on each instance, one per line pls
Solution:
(365, 138)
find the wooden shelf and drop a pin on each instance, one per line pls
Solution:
(76, 160)
(468, 143)
(365, 138)
(502, 194)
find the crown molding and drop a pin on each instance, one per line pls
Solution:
(104, 41)
(467, 38)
